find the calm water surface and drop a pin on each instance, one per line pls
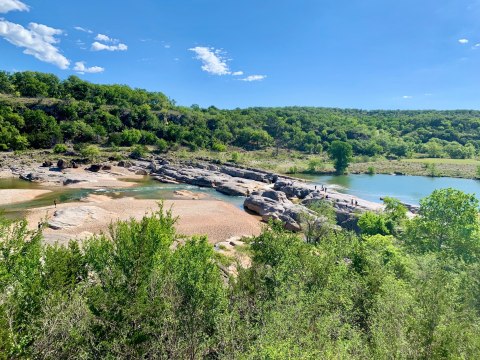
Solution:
(409, 189)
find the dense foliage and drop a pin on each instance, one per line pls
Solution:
(39, 110)
(408, 290)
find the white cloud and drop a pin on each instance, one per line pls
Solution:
(254, 78)
(96, 46)
(213, 61)
(105, 38)
(82, 69)
(79, 28)
(12, 5)
(463, 41)
(37, 40)
(167, 46)
(237, 73)
(407, 97)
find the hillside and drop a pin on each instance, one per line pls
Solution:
(39, 110)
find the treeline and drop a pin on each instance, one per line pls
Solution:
(403, 289)
(50, 111)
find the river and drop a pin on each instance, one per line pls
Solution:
(409, 189)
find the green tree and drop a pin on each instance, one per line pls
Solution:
(340, 153)
(447, 223)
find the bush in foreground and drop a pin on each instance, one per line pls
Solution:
(142, 292)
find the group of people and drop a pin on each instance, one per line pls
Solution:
(322, 188)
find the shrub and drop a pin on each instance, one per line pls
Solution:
(219, 147)
(139, 151)
(60, 148)
(162, 145)
(235, 157)
(91, 152)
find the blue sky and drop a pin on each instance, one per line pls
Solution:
(370, 54)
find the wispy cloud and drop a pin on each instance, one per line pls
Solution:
(38, 41)
(213, 61)
(96, 46)
(79, 28)
(407, 97)
(463, 41)
(254, 78)
(12, 5)
(82, 69)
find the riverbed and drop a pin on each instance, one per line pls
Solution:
(145, 188)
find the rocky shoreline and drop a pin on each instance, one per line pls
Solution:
(269, 195)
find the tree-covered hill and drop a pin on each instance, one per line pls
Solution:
(39, 110)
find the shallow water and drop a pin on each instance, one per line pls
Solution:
(409, 189)
(146, 188)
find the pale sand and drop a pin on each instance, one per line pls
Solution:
(12, 196)
(216, 219)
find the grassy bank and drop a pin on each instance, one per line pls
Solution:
(459, 168)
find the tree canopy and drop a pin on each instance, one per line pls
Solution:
(93, 113)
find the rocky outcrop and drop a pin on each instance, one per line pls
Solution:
(209, 175)
(271, 204)
(72, 217)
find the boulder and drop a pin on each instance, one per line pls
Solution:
(124, 163)
(95, 167)
(272, 204)
(30, 177)
(233, 189)
(62, 164)
(47, 164)
(141, 172)
(106, 167)
(69, 181)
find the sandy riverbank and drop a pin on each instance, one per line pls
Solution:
(13, 196)
(216, 219)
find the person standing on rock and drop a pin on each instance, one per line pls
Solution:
(55, 203)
